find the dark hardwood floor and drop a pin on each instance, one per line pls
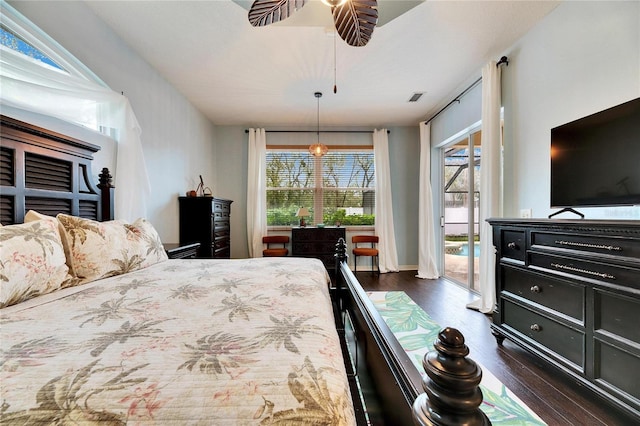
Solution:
(556, 399)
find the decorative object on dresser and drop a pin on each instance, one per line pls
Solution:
(302, 213)
(316, 242)
(206, 220)
(177, 251)
(569, 292)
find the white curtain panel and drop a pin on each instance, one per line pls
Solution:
(388, 255)
(29, 86)
(257, 191)
(490, 185)
(427, 265)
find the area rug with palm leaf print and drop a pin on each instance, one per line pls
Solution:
(416, 332)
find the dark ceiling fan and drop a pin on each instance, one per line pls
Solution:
(354, 20)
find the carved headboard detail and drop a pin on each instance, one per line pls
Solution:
(49, 172)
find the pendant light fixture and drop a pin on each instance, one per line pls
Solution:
(334, 3)
(318, 149)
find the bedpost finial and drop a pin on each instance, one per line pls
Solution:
(452, 395)
(341, 250)
(105, 179)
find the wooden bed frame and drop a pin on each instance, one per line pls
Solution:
(51, 173)
(48, 172)
(388, 381)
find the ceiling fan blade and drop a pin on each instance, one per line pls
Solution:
(355, 21)
(265, 12)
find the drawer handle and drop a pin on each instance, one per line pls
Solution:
(588, 245)
(535, 327)
(512, 245)
(535, 289)
(584, 271)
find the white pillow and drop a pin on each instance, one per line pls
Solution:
(32, 261)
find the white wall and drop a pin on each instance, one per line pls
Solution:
(459, 116)
(582, 58)
(178, 141)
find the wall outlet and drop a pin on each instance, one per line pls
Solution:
(525, 213)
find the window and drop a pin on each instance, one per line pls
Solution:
(18, 34)
(338, 187)
(14, 42)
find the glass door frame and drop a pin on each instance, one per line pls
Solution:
(472, 209)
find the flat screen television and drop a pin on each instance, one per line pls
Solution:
(595, 160)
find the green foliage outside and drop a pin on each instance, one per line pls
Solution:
(286, 216)
(339, 215)
(462, 237)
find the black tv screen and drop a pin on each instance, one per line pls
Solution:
(595, 161)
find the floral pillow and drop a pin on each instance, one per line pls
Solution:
(32, 261)
(32, 216)
(104, 249)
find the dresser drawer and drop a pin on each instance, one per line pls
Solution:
(221, 207)
(221, 243)
(581, 268)
(617, 315)
(512, 244)
(221, 224)
(314, 247)
(618, 370)
(627, 248)
(567, 343)
(561, 296)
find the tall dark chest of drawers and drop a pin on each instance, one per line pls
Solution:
(569, 291)
(206, 220)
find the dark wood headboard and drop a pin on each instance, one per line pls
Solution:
(49, 172)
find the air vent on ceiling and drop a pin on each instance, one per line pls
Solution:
(416, 96)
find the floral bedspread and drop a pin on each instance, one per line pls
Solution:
(210, 342)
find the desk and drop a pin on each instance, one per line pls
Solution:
(317, 242)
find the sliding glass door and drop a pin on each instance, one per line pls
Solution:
(461, 196)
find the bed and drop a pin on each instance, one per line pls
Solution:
(121, 334)
(112, 331)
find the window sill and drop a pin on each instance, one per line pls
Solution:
(350, 228)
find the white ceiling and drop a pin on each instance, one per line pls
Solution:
(240, 75)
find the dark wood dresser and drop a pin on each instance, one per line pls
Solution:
(206, 220)
(317, 242)
(569, 292)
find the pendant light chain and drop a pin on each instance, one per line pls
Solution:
(335, 64)
(318, 96)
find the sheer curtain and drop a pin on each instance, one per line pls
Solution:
(29, 86)
(427, 266)
(256, 191)
(388, 255)
(490, 184)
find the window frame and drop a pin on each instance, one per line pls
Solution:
(318, 191)
(23, 28)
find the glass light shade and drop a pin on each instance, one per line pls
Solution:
(318, 149)
(334, 3)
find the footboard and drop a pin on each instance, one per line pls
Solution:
(389, 382)
(390, 386)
